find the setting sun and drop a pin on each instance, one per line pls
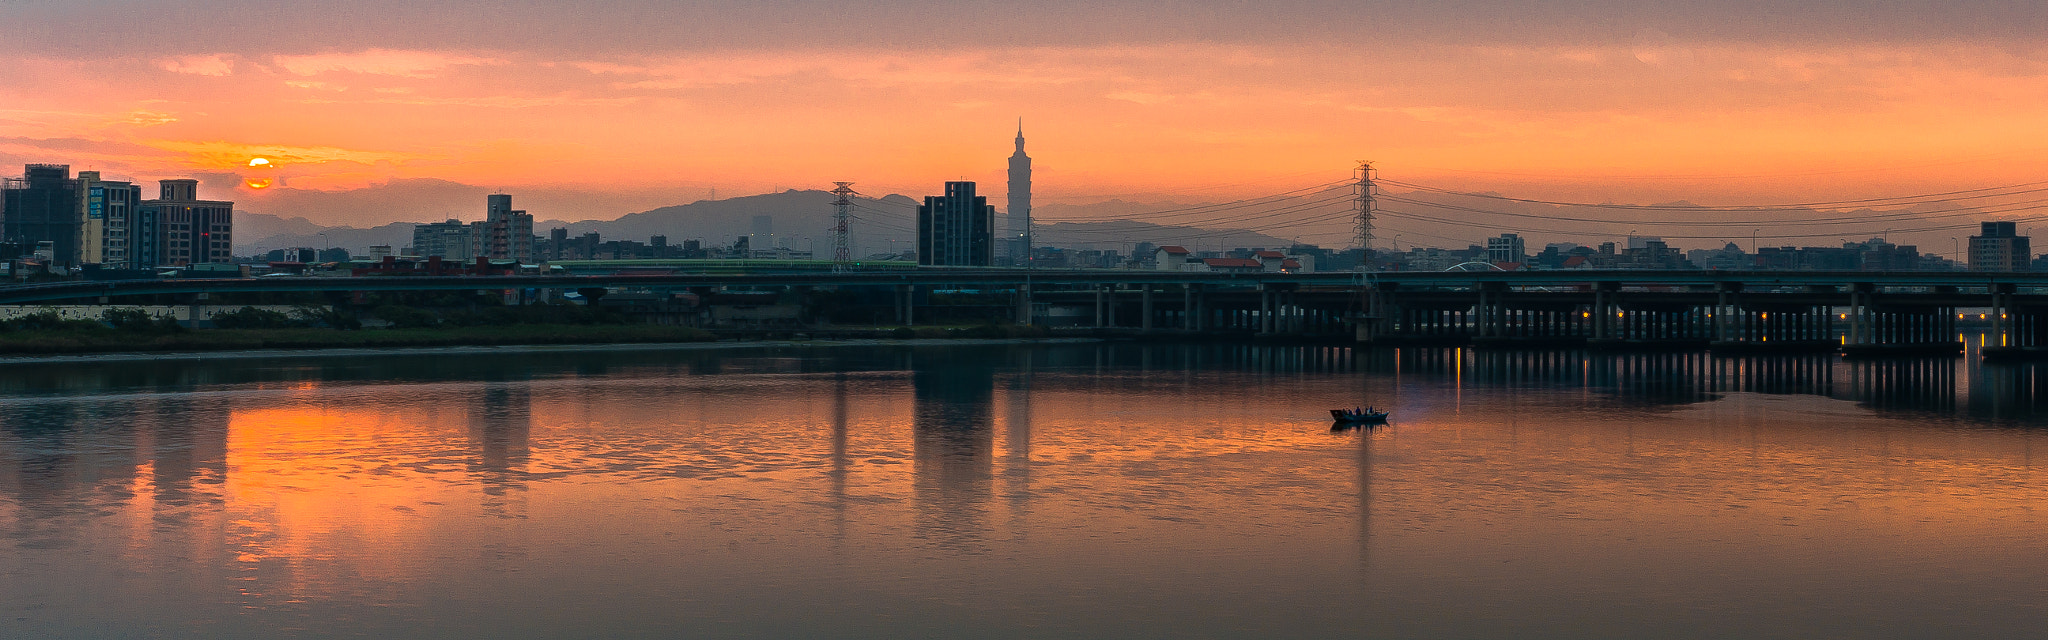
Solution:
(259, 162)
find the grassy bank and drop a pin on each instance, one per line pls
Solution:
(103, 340)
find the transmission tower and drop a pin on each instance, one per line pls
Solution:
(1364, 190)
(842, 257)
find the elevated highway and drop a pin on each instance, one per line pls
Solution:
(1849, 310)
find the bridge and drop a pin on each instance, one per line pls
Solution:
(1853, 311)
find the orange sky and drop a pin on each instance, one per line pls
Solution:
(1631, 107)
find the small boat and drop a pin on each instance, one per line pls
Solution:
(1359, 415)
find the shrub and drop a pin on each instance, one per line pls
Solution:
(253, 318)
(139, 321)
(402, 317)
(330, 317)
(903, 333)
(49, 320)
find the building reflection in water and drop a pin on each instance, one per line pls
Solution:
(500, 428)
(62, 458)
(953, 449)
(1017, 442)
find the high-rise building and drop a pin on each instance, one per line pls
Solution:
(1017, 239)
(1999, 247)
(956, 229)
(505, 233)
(450, 240)
(192, 231)
(558, 243)
(1507, 248)
(110, 221)
(44, 205)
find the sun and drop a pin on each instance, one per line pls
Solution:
(259, 162)
(257, 183)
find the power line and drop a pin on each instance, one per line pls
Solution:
(1984, 192)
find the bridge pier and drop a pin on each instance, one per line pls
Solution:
(1145, 309)
(1099, 307)
(1109, 298)
(1906, 329)
(1265, 311)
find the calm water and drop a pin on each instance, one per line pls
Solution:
(1080, 490)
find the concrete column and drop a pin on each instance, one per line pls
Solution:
(1187, 307)
(906, 298)
(1145, 309)
(1023, 304)
(1600, 316)
(1484, 312)
(2001, 314)
(1265, 311)
(1109, 310)
(1098, 307)
(1721, 315)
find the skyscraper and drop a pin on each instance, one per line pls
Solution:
(1017, 240)
(956, 229)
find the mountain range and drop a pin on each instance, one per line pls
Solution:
(797, 219)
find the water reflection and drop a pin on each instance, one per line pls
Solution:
(1132, 490)
(953, 445)
(500, 425)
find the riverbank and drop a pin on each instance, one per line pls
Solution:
(484, 350)
(101, 341)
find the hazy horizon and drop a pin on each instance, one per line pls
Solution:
(601, 109)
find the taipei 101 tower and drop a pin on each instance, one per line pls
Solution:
(1019, 240)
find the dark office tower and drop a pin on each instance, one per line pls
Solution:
(956, 229)
(44, 205)
(658, 245)
(558, 243)
(192, 231)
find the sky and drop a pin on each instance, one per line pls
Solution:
(641, 103)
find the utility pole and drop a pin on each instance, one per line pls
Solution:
(842, 256)
(1364, 190)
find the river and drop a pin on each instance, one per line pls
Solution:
(999, 491)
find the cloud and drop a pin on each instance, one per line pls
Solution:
(387, 62)
(199, 65)
(314, 84)
(226, 154)
(149, 118)
(1140, 97)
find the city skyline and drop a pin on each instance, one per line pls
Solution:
(1591, 104)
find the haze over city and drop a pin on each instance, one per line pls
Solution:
(594, 110)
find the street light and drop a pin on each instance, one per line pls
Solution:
(1752, 239)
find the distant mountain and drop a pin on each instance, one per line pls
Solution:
(257, 233)
(798, 219)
